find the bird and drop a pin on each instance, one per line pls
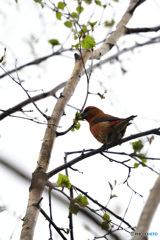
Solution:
(105, 128)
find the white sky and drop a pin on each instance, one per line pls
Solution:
(136, 92)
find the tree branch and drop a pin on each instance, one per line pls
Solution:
(155, 131)
(104, 208)
(120, 30)
(49, 220)
(148, 211)
(19, 106)
(38, 182)
(34, 62)
(52, 92)
(139, 30)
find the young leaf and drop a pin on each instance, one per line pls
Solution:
(137, 146)
(63, 181)
(81, 200)
(88, 1)
(54, 42)
(150, 139)
(79, 9)
(84, 29)
(58, 15)
(111, 187)
(77, 117)
(76, 46)
(136, 165)
(68, 230)
(61, 5)
(68, 24)
(77, 126)
(74, 208)
(92, 24)
(74, 15)
(141, 156)
(113, 196)
(109, 24)
(104, 225)
(88, 42)
(98, 3)
(106, 217)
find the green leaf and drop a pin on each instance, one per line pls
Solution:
(101, 95)
(74, 15)
(150, 139)
(76, 46)
(68, 24)
(106, 217)
(88, 42)
(77, 117)
(54, 42)
(88, 1)
(111, 187)
(92, 24)
(104, 225)
(68, 230)
(142, 157)
(74, 208)
(113, 196)
(2, 58)
(98, 3)
(136, 165)
(81, 200)
(77, 126)
(58, 15)
(109, 24)
(38, 1)
(79, 9)
(63, 181)
(137, 146)
(61, 5)
(84, 29)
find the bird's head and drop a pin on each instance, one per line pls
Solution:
(89, 113)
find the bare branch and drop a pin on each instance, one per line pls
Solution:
(35, 62)
(19, 106)
(50, 220)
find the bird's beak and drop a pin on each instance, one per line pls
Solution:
(82, 116)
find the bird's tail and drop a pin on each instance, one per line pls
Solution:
(129, 118)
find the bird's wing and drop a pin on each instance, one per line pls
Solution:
(104, 118)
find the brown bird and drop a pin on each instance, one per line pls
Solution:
(105, 128)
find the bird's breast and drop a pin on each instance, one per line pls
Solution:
(100, 131)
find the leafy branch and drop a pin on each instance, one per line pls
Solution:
(155, 131)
